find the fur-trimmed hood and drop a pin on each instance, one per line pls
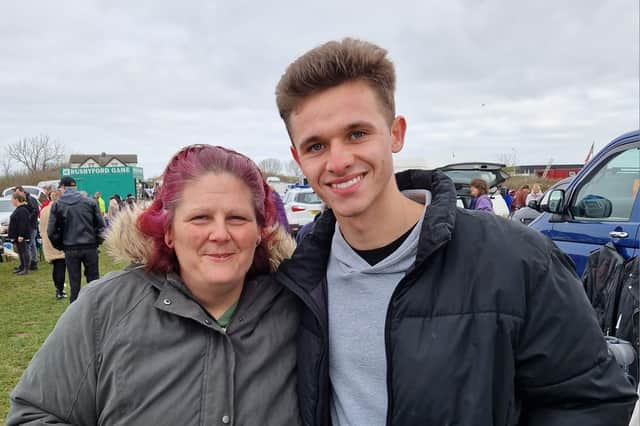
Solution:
(125, 242)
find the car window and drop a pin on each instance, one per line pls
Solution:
(466, 176)
(308, 198)
(609, 194)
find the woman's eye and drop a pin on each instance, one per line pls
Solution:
(199, 218)
(237, 219)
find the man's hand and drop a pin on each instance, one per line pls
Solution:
(20, 239)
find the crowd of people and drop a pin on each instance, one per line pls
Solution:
(76, 223)
(392, 310)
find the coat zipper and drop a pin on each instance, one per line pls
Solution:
(306, 299)
(387, 345)
(407, 280)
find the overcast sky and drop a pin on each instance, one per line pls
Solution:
(477, 79)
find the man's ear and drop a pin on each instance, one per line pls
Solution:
(294, 154)
(398, 130)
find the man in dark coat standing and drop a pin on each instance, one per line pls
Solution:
(20, 230)
(76, 227)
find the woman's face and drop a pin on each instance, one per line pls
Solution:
(214, 231)
(474, 191)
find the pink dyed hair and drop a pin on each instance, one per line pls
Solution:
(187, 165)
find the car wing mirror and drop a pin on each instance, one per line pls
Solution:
(593, 207)
(554, 203)
(533, 204)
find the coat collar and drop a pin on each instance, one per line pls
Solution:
(174, 297)
(309, 262)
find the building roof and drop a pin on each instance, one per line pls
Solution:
(103, 158)
(553, 166)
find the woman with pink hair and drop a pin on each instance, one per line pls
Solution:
(195, 330)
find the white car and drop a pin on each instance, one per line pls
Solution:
(463, 173)
(36, 192)
(6, 208)
(301, 205)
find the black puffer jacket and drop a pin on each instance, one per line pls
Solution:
(20, 223)
(77, 219)
(489, 327)
(34, 210)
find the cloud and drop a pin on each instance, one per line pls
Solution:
(152, 76)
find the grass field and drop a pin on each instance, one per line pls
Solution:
(28, 312)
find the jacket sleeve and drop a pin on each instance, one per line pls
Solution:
(12, 232)
(564, 371)
(484, 204)
(52, 225)
(98, 222)
(59, 385)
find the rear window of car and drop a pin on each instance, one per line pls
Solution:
(466, 176)
(308, 198)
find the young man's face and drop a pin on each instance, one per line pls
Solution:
(344, 145)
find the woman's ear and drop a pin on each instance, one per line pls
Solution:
(168, 238)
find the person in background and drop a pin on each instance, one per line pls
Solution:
(76, 227)
(114, 209)
(100, 202)
(535, 195)
(196, 331)
(520, 199)
(51, 254)
(20, 231)
(47, 198)
(506, 196)
(130, 201)
(480, 196)
(34, 209)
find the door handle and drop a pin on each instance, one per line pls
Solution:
(618, 234)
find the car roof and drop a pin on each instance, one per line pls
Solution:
(628, 137)
(10, 190)
(473, 166)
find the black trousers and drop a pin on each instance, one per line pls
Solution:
(23, 252)
(58, 274)
(74, 258)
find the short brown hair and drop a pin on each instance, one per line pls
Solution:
(335, 63)
(19, 197)
(481, 185)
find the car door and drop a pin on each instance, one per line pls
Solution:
(603, 206)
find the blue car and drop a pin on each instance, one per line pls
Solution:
(600, 205)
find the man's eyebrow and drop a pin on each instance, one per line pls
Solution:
(310, 141)
(358, 125)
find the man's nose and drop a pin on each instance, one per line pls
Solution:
(340, 158)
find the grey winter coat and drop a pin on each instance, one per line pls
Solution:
(137, 349)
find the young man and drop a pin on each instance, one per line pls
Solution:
(411, 316)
